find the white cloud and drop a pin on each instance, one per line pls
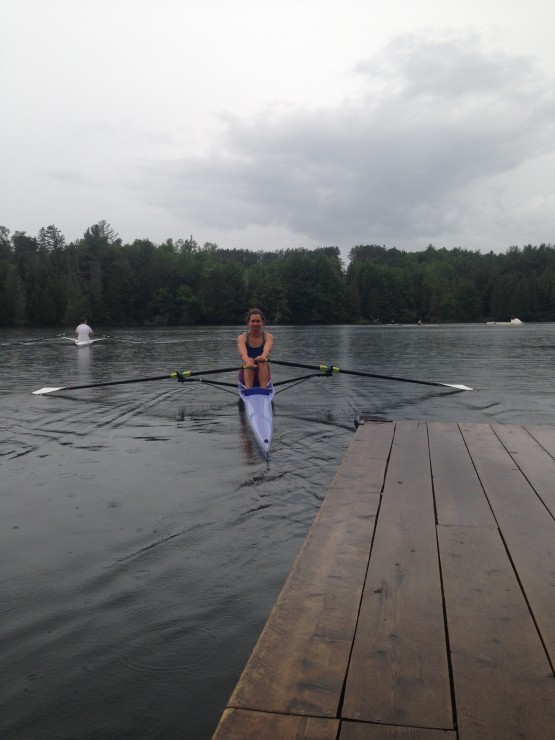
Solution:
(313, 124)
(393, 165)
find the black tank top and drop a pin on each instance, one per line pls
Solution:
(254, 351)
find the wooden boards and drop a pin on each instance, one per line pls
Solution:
(399, 672)
(422, 601)
(300, 661)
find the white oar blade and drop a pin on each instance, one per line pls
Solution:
(42, 391)
(458, 387)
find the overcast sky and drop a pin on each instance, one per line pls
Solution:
(261, 124)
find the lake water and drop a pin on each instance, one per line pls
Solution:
(144, 540)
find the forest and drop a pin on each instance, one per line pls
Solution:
(46, 282)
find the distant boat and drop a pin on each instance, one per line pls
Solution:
(513, 322)
(84, 342)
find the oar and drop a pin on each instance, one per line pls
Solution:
(331, 369)
(43, 339)
(177, 375)
(125, 339)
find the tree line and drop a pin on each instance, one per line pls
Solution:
(46, 282)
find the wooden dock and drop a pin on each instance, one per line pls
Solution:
(422, 603)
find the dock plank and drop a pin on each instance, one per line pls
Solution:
(399, 670)
(299, 663)
(531, 457)
(527, 528)
(458, 492)
(366, 731)
(240, 723)
(363, 467)
(544, 435)
(503, 686)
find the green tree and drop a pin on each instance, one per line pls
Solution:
(188, 306)
(467, 301)
(221, 293)
(546, 294)
(5, 243)
(267, 291)
(504, 297)
(50, 239)
(12, 297)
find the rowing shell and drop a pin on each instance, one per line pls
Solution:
(84, 342)
(258, 408)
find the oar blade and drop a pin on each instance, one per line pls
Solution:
(458, 387)
(44, 391)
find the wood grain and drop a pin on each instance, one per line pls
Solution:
(399, 671)
(503, 686)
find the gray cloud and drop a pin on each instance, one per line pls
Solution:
(436, 119)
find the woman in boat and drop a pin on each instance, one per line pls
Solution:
(254, 347)
(83, 331)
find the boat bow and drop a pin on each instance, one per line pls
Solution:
(258, 409)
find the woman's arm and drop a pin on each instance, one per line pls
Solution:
(243, 354)
(268, 344)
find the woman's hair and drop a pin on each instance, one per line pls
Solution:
(255, 310)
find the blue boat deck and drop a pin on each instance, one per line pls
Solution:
(422, 602)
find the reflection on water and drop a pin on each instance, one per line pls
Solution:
(144, 538)
(84, 363)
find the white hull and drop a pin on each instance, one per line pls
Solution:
(84, 342)
(512, 322)
(258, 409)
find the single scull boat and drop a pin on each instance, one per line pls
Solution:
(257, 401)
(258, 409)
(84, 342)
